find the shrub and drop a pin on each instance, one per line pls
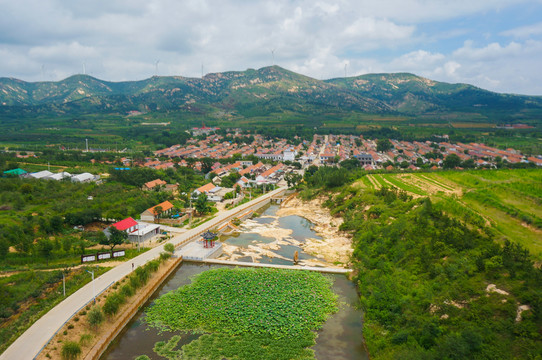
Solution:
(85, 339)
(135, 282)
(164, 256)
(71, 350)
(95, 316)
(127, 290)
(152, 266)
(169, 247)
(112, 304)
(70, 326)
(76, 319)
(143, 274)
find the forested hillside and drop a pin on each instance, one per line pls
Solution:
(433, 286)
(269, 90)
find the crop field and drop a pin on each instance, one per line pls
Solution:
(472, 125)
(509, 202)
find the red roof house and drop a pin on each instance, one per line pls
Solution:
(127, 225)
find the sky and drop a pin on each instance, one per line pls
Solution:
(493, 44)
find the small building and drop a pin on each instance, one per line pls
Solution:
(243, 182)
(60, 176)
(150, 214)
(205, 189)
(268, 174)
(15, 172)
(41, 174)
(84, 177)
(289, 155)
(127, 225)
(144, 233)
(365, 159)
(152, 184)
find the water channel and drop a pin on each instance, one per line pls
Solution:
(340, 337)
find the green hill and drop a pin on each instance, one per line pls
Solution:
(262, 92)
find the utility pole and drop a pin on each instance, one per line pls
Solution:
(191, 210)
(93, 287)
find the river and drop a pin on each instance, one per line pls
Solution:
(340, 337)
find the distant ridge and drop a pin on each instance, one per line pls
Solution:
(260, 92)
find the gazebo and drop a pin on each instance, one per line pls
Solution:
(208, 239)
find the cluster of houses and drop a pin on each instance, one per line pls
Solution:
(48, 175)
(335, 148)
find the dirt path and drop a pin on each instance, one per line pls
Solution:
(56, 166)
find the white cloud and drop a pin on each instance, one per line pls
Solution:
(416, 61)
(122, 39)
(524, 31)
(63, 52)
(377, 29)
(491, 52)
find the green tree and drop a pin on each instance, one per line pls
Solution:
(4, 248)
(45, 249)
(451, 161)
(158, 210)
(468, 164)
(292, 179)
(383, 145)
(116, 237)
(56, 222)
(201, 205)
(350, 164)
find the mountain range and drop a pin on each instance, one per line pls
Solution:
(262, 92)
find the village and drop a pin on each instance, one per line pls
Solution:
(330, 150)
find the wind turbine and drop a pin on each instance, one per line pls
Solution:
(273, 56)
(156, 67)
(84, 68)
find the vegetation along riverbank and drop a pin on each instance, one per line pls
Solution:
(435, 281)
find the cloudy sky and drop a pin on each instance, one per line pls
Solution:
(494, 44)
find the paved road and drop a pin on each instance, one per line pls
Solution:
(30, 343)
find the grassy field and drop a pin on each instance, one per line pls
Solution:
(507, 201)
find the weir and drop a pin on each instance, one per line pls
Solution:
(275, 266)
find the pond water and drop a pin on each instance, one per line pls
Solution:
(339, 339)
